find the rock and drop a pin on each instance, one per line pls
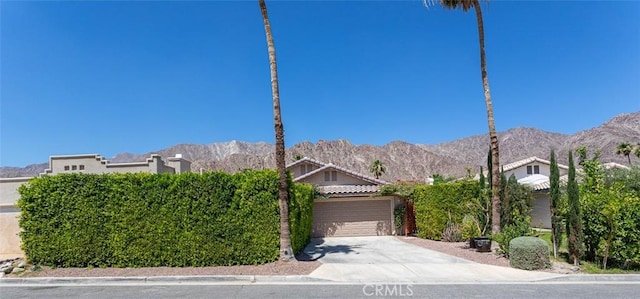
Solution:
(6, 270)
(22, 264)
(574, 268)
(17, 270)
(6, 267)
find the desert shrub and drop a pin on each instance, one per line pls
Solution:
(436, 205)
(452, 233)
(529, 253)
(510, 232)
(469, 227)
(141, 219)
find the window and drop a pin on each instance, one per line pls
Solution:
(306, 168)
(535, 169)
(330, 176)
(81, 167)
(74, 167)
(66, 168)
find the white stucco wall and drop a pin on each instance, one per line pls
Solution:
(541, 213)
(9, 213)
(521, 171)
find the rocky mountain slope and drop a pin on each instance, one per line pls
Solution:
(403, 160)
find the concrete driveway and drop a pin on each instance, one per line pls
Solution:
(387, 259)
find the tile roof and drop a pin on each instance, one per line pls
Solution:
(348, 189)
(517, 164)
(610, 165)
(539, 182)
(305, 159)
(324, 166)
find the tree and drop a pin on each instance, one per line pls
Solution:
(636, 150)
(574, 223)
(286, 252)
(554, 203)
(625, 149)
(466, 5)
(377, 168)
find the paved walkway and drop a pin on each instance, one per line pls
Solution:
(386, 259)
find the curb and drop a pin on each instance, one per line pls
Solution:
(595, 277)
(158, 279)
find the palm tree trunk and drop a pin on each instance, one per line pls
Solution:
(495, 160)
(286, 252)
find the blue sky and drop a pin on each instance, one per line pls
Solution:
(115, 76)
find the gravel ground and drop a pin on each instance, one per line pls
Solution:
(459, 249)
(300, 267)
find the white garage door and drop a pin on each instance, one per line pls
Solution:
(352, 218)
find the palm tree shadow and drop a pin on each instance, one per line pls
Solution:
(316, 250)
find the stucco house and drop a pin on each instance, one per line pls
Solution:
(535, 172)
(9, 213)
(350, 205)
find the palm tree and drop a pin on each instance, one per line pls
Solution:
(625, 149)
(377, 168)
(286, 252)
(466, 5)
(636, 150)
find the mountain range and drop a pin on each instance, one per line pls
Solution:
(403, 161)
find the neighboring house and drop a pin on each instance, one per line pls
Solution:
(97, 164)
(535, 172)
(351, 205)
(9, 213)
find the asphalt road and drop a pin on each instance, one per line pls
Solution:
(537, 290)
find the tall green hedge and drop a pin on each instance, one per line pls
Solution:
(435, 205)
(136, 220)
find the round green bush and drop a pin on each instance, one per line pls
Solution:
(529, 253)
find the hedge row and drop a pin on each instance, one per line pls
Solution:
(436, 205)
(137, 220)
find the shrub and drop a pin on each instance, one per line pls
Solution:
(509, 233)
(398, 218)
(529, 253)
(136, 220)
(301, 215)
(452, 233)
(436, 205)
(469, 227)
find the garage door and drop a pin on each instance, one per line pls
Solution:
(352, 218)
